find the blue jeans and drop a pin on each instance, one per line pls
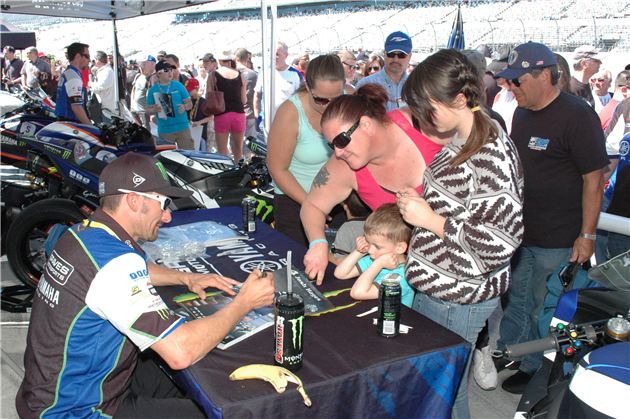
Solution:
(531, 267)
(617, 244)
(466, 320)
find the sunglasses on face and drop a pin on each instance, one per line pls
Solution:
(322, 101)
(375, 68)
(164, 201)
(342, 139)
(516, 82)
(352, 66)
(85, 55)
(400, 55)
(598, 80)
(165, 70)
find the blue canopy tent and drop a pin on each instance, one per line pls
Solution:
(456, 39)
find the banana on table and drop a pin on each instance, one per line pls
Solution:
(277, 376)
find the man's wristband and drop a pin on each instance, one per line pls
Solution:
(588, 236)
(314, 242)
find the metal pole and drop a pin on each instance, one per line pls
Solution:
(523, 26)
(115, 53)
(595, 41)
(269, 29)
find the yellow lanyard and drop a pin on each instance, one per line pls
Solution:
(96, 224)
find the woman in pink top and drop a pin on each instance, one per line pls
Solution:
(376, 153)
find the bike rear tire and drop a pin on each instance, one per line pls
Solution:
(28, 232)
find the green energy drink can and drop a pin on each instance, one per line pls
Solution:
(289, 331)
(389, 306)
(249, 214)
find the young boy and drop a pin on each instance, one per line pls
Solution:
(385, 240)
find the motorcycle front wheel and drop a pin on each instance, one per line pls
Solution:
(28, 232)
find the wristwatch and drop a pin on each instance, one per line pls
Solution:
(588, 236)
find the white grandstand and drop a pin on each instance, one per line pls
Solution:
(323, 26)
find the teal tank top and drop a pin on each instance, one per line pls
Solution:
(311, 150)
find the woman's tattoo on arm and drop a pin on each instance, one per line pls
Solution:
(321, 178)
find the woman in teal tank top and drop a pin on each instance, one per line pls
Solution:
(296, 148)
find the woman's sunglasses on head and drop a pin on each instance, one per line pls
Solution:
(342, 139)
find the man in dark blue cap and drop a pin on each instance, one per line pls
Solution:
(561, 145)
(393, 76)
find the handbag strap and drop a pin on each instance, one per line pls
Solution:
(211, 82)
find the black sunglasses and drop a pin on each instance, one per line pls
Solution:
(352, 66)
(375, 68)
(400, 55)
(322, 101)
(516, 82)
(342, 139)
(85, 55)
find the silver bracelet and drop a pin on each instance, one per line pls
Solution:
(588, 236)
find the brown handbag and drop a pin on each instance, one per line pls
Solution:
(215, 102)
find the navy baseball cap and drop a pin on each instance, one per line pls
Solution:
(527, 57)
(398, 41)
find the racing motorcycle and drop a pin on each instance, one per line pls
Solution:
(63, 161)
(586, 368)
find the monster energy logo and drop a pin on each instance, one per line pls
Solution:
(163, 313)
(65, 154)
(297, 334)
(262, 206)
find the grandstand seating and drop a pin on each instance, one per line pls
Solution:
(326, 26)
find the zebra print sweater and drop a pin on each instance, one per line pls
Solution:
(482, 201)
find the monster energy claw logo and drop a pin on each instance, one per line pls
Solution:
(297, 333)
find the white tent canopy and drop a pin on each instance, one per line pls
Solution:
(95, 9)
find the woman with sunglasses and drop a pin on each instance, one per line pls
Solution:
(374, 65)
(377, 153)
(296, 147)
(469, 218)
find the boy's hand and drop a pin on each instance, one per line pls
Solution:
(388, 260)
(362, 244)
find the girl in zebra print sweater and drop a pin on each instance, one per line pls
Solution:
(469, 220)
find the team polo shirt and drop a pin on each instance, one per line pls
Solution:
(93, 311)
(69, 91)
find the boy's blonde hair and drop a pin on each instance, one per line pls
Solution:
(387, 222)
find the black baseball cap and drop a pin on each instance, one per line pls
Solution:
(163, 65)
(139, 173)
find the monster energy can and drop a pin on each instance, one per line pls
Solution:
(389, 306)
(249, 214)
(289, 331)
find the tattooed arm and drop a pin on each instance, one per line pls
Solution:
(332, 185)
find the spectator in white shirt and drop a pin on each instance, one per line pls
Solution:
(103, 85)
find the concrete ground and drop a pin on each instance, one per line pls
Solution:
(483, 404)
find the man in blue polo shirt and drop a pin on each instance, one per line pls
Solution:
(393, 76)
(71, 94)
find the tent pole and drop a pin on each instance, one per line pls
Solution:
(115, 65)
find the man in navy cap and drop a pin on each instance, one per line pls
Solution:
(561, 145)
(393, 76)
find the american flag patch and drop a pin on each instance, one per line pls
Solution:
(541, 62)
